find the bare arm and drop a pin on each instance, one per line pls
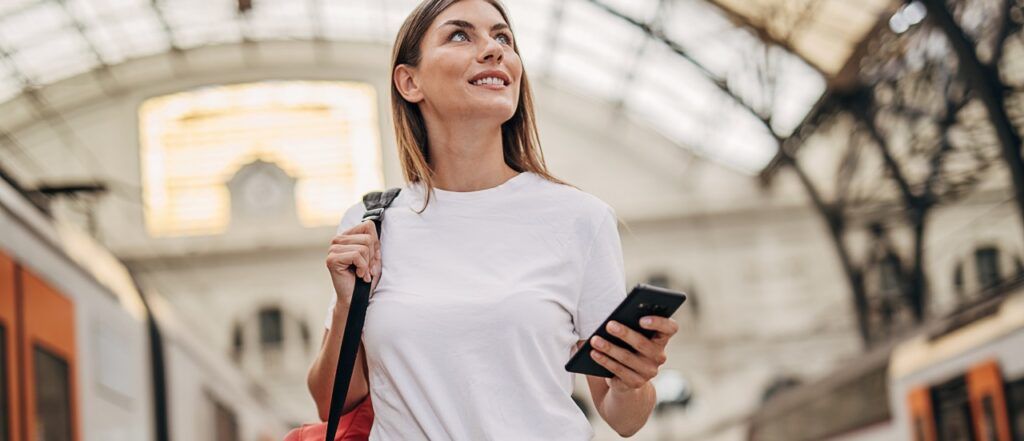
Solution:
(354, 253)
(321, 374)
(626, 411)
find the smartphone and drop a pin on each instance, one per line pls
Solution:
(643, 300)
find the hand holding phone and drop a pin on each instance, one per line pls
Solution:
(644, 300)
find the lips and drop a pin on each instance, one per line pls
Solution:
(505, 80)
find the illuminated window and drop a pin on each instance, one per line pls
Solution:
(324, 135)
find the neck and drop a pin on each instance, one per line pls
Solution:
(466, 154)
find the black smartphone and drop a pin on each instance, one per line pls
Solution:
(642, 301)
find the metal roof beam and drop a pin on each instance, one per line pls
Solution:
(765, 36)
(720, 83)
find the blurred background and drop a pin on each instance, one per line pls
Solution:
(837, 185)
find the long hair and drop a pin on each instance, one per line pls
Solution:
(519, 139)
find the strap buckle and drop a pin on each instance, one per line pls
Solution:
(373, 214)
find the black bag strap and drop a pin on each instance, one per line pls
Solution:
(375, 203)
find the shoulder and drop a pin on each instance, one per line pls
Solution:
(587, 210)
(354, 213)
(351, 217)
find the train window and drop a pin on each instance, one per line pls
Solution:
(986, 260)
(271, 332)
(5, 427)
(989, 411)
(53, 396)
(952, 411)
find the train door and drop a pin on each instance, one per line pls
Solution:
(10, 405)
(953, 416)
(921, 416)
(988, 402)
(39, 357)
(969, 407)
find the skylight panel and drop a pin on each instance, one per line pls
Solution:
(142, 33)
(679, 101)
(106, 41)
(352, 20)
(8, 7)
(585, 26)
(279, 20)
(584, 73)
(31, 24)
(9, 85)
(60, 56)
(196, 23)
(639, 10)
(531, 20)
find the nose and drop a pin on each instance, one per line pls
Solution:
(492, 51)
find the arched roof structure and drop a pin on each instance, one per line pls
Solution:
(724, 78)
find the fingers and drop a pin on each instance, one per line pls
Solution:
(634, 339)
(364, 230)
(625, 374)
(646, 367)
(358, 246)
(665, 327)
(338, 261)
(364, 227)
(367, 227)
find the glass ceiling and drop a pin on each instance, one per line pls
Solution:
(703, 76)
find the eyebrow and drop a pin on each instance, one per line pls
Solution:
(468, 25)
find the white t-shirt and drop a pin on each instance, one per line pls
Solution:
(481, 300)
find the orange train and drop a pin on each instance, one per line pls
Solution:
(86, 356)
(960, 378)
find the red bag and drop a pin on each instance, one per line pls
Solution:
(354, 426)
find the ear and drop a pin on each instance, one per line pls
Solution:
(405, 82)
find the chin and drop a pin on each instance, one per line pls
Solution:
(500, 113)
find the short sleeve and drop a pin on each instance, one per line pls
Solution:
(351, 218)
(603, 284)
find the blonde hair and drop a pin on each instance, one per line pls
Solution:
(519, 139)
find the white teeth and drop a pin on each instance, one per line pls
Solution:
(489, 80)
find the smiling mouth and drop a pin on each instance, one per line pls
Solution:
(490, 83)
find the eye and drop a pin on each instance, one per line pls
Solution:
(466, 37)
(508, 38)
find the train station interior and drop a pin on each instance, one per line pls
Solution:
(837, 186)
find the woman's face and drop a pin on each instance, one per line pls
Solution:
(468, 68)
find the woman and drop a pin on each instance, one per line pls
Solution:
(495, 270)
